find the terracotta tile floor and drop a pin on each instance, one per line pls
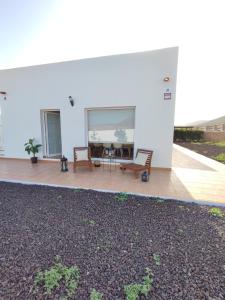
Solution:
(193, 177)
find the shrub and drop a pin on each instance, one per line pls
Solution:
(184, 135)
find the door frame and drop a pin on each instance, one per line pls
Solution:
(44, 131)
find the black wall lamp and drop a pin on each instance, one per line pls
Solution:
(3, 94)
(166, 79)
(71, 100)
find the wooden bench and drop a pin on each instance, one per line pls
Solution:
(82, 158)
(141, 163)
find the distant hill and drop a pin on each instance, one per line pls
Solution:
(196, 123)
(204, 123)
(217, 121)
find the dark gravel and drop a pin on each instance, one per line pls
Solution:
(38, 222)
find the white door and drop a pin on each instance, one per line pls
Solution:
(53, 145)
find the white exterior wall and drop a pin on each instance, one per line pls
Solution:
(1, 141)
(113, 81)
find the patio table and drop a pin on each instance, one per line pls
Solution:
(109, 160)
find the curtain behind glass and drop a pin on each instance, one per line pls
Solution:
(111, 125)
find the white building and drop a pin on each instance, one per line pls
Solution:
(1, 133)
(126, 101)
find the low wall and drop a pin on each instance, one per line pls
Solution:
(214, 136)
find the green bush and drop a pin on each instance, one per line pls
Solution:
(187, 135)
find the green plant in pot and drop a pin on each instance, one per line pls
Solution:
(31, 147)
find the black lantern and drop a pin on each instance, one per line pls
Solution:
(64, 164)
(71, 100)
(145, 176)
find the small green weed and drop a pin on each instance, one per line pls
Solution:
(184, 208)
(136, 236)
(95, 295)
(134, 290)
(76, 190)
(104, 245)
(89, 221)
(181, 207)
(156, 258)
(158, 200)
(180, 231)
(122, 197)
(58, 275)
(216, 212)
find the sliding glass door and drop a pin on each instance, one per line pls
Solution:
(52, 134)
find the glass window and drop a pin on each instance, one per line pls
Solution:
(111, 125)
(111, 128)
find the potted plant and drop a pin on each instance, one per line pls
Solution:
(31, 147)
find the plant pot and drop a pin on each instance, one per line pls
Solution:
(97, 163)
(33, 160)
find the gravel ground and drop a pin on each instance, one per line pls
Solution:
(111, 242)
(205, 149)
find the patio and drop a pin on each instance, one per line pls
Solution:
(193, 177)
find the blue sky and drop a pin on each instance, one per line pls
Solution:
(41, 31)
(21, 23)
